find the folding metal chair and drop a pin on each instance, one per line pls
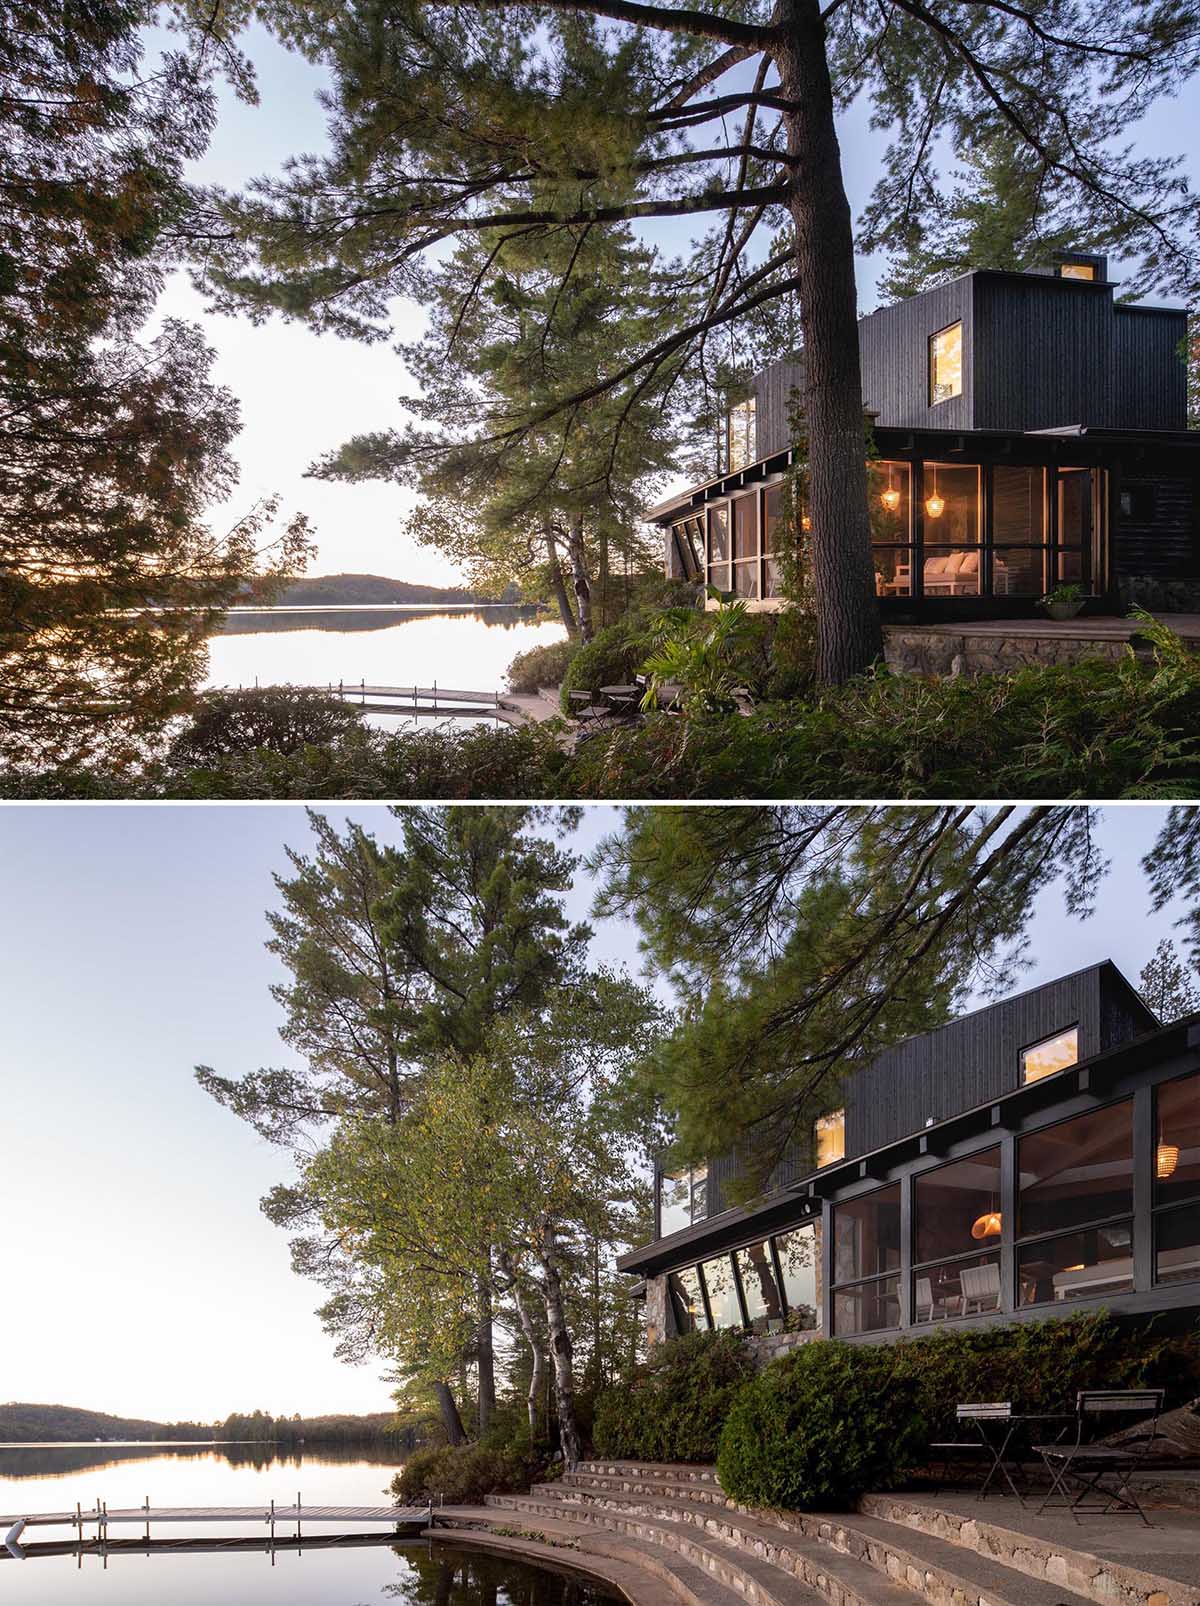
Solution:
(1088, 1465)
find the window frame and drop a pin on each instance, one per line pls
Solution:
(1162, 1209)
(932, 399)
(1040, 1042)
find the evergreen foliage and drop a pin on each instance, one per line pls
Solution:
(672, 1407)
(1167, 985)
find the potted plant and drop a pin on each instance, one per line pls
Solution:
(1064, 602)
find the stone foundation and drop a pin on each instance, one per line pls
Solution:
(940, 651)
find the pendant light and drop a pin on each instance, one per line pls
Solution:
(935, 505)
(987, 1225)
(1166, 1159)
(891, 497)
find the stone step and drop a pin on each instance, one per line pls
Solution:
(672, 1471)
(800, 1573)
(931, 1568)
(685, 1583)
(637, 1482)
(1052, 1549)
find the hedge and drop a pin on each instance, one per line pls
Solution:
(673, 1406)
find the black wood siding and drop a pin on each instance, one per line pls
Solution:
(1043, 352)
(1165, 545)
(961, 1065)
(894, 344)
(1151, 374)
(772, 406)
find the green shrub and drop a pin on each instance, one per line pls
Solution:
(541, 666)
(673, 1407)
(820, 1426)
(281, 718)
(612, 657)
(460, 1475)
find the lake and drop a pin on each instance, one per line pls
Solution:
(467, 649)
(360, 1572)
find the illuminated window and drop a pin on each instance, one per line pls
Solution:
(1076, 270)
(945, 364)
(741, 435)
(1050, 1055)
(829, 1137)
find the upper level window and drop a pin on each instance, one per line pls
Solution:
(1050, 1055)
(829, 1137)
(682, 1199)
(741, 435)
(945, 364)
(1076, 270)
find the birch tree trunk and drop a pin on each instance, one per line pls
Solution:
(560, 1345)
(486, 1359)
(579, 577)
(557, 584)
(537, 1376)
(843, 574)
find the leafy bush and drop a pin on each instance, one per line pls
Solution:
(820, 1426)
(612, 657)
(460, 1475)
(831, 1420)
(702, 656)
(541, 666)
(673, 1407)
(281, 718)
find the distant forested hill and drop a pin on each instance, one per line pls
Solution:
(20, 1423)
(348, 590)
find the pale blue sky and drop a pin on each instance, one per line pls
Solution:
(302, 394)
(140, 1276)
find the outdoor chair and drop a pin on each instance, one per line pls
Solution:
(980, 1289)
(1089, 1465)
(949, 1450)
(923, 1303)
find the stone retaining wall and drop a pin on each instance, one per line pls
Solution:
(911, 650)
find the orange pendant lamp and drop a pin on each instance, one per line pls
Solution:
(988, 1225)
(1166, 1159)
(891, 497)
(935, 505)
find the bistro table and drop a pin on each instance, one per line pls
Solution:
(1014, 1424)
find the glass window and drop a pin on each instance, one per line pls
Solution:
(1076, 270)
(687, 1302)
(741, 435)
(952, 504)
(1050, 1055)
(869, 1308)
(1177, 1141)
(722, 1293)
(893, 571)
(945, 364)
(958, 1288)
(760, 1285)
(829, 1137)
(1080, 1265)
(1080, 1170)
(866, 1235)
(889, 489)
(1018, 505)
(797, 1253)
(951, 572)
(957, 1207)
(745, 527)
(718, 547)
(682, 1199)
(1078, 518)
(1019, 571)
(1177, 1246)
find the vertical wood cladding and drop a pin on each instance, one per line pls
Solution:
(1043, 352)
(1159, 536)
(772, 406)
(894, 345)
(1151, 374)
(961, 1065)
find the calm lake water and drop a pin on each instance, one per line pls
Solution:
(53, 1478)
(467, 649)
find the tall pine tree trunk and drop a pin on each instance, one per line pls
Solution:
(848, 633)
(561, 1352)
(557, 584)
(579, 577)
(486, 1359)
(448, 1411)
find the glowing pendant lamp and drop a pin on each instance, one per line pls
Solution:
(891, 497)
(987, 1225)
(935, 505)
(1166, 1160)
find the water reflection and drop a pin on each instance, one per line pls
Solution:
(257, 621)
(60, 1460)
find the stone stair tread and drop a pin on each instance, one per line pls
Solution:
(866, 1584)
(989, 1581)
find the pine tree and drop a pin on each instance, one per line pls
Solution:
(110, 449)
(491, 118)
(1167, 985)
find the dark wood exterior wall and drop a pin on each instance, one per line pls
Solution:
(1166, 544)
(772, 406)
(894, 345)
(961, 1065)
(1151, 373)
(1043, 352)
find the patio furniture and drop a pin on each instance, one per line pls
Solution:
(1088, 1465)
(980, 1289)
(1000, 1428)
(948, 1449)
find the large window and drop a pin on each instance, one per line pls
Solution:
(1049, 1055)
(761, 1289)
(687, 1301)
(829, 1137)
(718, 547)
(745, 545)
(889, 486)
(682, 1199)
(953, 519)
(1075, 1179)
(1177, 1181)
(945, 364)
(773, 532)
(797, 1253)
(956, 1238)
(866, 1248)
(1079, 519)
(741, 435)
(720, 1285)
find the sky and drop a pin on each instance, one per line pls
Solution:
(303, 394)
(139, 1275)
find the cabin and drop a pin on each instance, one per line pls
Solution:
(1029, 431)
(1033, 1158)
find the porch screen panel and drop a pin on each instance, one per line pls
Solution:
(1078, 518)
(889, 497)
(797, 1253)
(745, 545)
(953, 563)
(1019, 531)
(957, 1229)
(866, 1243)
(722, 1292)
(1177, 1181)
(1177, 1246)
(773, 536)
(718, 547)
